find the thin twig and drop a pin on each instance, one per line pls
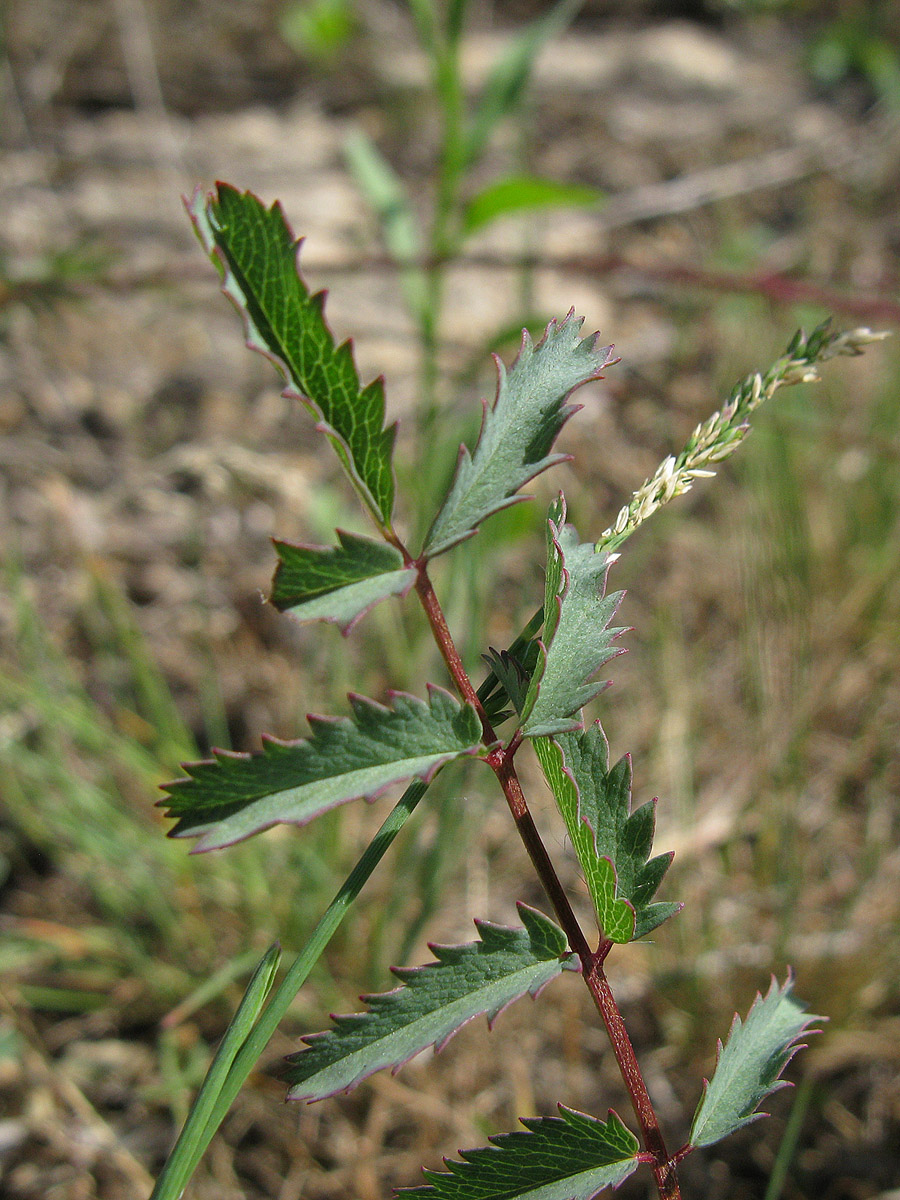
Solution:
(773, 285)
(500, 759)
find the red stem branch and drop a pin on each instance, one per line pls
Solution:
(500, 760)
(663, 1166)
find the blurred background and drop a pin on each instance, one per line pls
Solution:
(722, 172)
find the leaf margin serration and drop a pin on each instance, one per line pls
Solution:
(780, 1057)
(379, 499)
(554, 416)
(209, 775)
(396, 581)
(626, 840)
(492, 937)
(456, 1182)
(559, 598)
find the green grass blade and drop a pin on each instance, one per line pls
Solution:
(242, 1063)
(190, 1145)
(525, 193)
(507, 82)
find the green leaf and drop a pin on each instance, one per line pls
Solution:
(235, 795)
(434, 1002)
(320, 29)
(190, 1143)
(518, 661)
(612, 843)
(506, 84)
(338, 583)
(512, 675)
(577, 638)
(569, 1157)
(525, 193)
(749, 1067)
(519, 429)
(257, 255)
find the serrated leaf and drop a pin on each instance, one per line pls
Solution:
(570, 1157)
(509, 77)
(519, 429)
(257, 254)
(236, 795)
(612, 843)
(524, 193)
(434, 1002)
(749, 1067)
(577, 640)
(338, 583)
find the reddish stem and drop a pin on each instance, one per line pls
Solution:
(501, 763)
(500, 760)
(447, 647)
(663, 1166)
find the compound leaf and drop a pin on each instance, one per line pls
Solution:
(577, 639)
(570, 1157)
(255, 251)
(612, 843)
(749, 1067)
(519, 429)
(434, 1002)
(338, 583)
(236, 795)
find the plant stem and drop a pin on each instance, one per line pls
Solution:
(500, 760)
(449, 652)
(501, 763)
(663, 1167)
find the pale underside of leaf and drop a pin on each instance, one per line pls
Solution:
(612, 843)
(519, 429)
(236, 795)
(257, 255)
(339, 583)
(434, 1002)
(750, 1065)
(577, 639)
(570, 1157)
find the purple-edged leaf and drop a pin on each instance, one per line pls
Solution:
(569, 1157)
(338, 583)
(519, 429)
(750, 1065)
(577, 640)
(256, 252)
(612, 843)
(235, 795)
(434, 1002)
